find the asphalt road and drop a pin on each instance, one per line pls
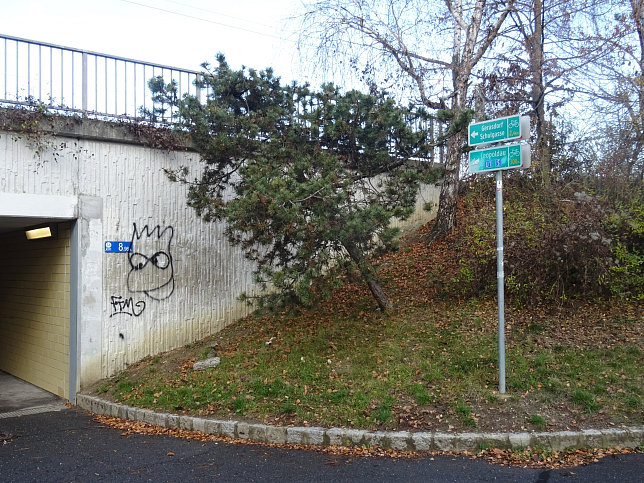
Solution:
(68, 446)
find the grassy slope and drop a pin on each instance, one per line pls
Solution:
(430, 364)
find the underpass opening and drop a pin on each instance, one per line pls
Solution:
(36, 314)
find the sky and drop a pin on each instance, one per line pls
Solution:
(177, 33)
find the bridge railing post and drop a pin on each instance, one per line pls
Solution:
(84, 85)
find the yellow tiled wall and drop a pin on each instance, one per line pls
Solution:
(34, 309)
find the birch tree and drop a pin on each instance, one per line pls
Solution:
(427, 49)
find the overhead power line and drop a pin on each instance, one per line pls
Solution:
(214, 22)
(217, 13)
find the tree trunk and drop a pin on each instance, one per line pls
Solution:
(379, 294)
(447, 203)
(446, 215)
(535, 51)
(368, 276)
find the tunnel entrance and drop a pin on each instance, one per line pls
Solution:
(36, 303)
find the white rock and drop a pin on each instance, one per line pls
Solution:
(206, 364)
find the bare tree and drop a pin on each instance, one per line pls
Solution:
(618, 87)
(428, 48)
(544, 58)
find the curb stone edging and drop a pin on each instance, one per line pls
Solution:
(396, 440)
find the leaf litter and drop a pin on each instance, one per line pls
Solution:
(527, 458)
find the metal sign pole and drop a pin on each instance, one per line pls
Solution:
(500, 278)
(498, 158)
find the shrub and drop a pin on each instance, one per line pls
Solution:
(625, 224)
(555, 246)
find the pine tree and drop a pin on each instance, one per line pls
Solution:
(306, 182)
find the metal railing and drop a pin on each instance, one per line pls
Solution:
(73, 81)
(79, 81)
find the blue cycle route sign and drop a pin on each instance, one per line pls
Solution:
(118, 246)
(502, 157)
(508, 128)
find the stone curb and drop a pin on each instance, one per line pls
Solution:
(396, 440)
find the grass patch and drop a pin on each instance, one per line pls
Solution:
(102, 388)
(538, 421)
(431, 364)
(465, 413)
(421, 394)
(426, 370)
(124, 386)
(585, 399)
(384, 412)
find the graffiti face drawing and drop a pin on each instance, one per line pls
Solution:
(151, 270)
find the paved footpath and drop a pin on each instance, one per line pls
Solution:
(69, 446)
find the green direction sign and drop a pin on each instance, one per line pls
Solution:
(503, 157)
(501, 129)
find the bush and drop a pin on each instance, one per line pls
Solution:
(555, 246)
(625, 224)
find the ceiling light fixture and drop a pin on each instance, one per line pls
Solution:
(43, 231)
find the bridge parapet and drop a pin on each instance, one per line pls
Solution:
(75, 81)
